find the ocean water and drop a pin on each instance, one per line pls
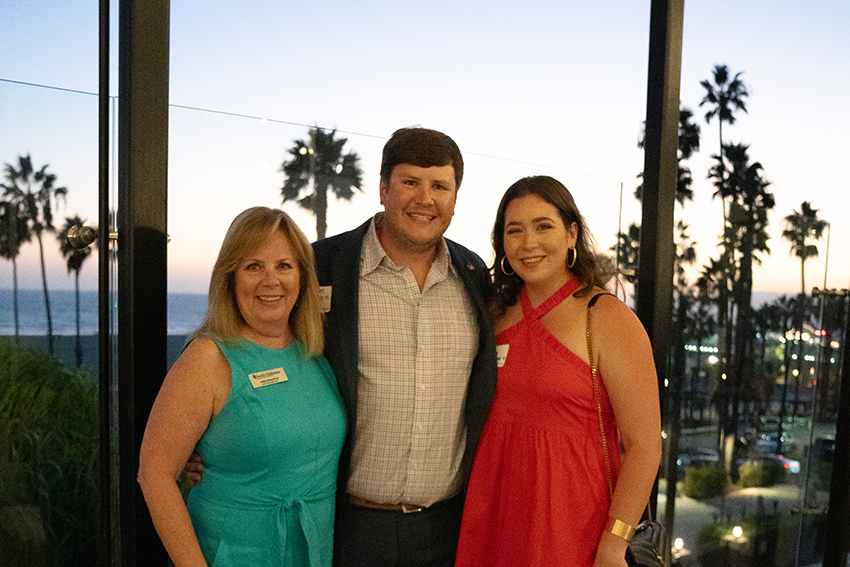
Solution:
(185, 312)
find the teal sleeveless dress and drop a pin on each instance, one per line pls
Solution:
(271, 458)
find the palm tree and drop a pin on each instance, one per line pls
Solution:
(795, 312)
(725, 97)
(688, 144)
(769, 318)
(35, 193)
(685, 298)
(746, 189)
(627, 250)
(701, 326)
(803, 229)
(686, 255)
(320, 160)
(14, 232)
(75, 258)
(628, 246)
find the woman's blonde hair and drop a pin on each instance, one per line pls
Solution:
(248, 231)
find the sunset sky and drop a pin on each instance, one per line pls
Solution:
(524, 88)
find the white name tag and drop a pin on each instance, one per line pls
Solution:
(267, 377)
(325, 298)
(501, 354)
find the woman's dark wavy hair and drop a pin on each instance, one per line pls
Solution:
(591, 267)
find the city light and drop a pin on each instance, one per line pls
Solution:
(701, 348)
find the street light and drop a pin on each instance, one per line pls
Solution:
(680, 556)
(737, 532)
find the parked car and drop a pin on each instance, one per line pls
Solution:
(770, 422)
(790, 465)
(766, 443)
(697, 457)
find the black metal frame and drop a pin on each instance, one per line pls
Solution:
(837, 536)
(105, 530)
(661, 143)
(127, 535)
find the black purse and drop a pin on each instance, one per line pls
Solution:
(646, 547)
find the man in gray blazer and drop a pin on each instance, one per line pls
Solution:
(408, 336)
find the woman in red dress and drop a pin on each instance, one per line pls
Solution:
(539, 492)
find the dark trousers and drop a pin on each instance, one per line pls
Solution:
(380, 538)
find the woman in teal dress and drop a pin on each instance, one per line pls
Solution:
(253, 393)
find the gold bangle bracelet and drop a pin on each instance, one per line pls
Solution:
(620, 529)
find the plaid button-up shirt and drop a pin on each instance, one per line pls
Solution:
(415, 357)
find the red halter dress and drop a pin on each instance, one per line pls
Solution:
(538, 495)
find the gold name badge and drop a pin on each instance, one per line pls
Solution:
(267, 377)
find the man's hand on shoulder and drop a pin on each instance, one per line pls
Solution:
(193, 471)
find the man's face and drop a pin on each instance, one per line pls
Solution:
(419, 203)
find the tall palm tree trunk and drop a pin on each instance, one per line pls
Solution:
(786, 355)
(799, 378)
(695, 377)
(15, 297)
(743, 334)
(46, 296)
(674, 400)
(79, 347)
(723, 337)
(321, 208)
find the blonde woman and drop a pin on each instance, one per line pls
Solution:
(254, 394)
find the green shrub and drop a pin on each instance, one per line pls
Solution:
(762, 472)
(712, 549)
(49, 453)
(705, 481)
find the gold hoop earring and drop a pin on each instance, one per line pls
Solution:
(571, 263)
(503, 267)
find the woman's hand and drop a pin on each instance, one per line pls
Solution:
(611, 551)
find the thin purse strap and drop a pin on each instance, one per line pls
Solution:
(597, 395)
(598, 399)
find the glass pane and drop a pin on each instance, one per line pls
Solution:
(48, 292)
(528, 89)
(776, 445)
(492, 77)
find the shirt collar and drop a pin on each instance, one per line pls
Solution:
(372, 255)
